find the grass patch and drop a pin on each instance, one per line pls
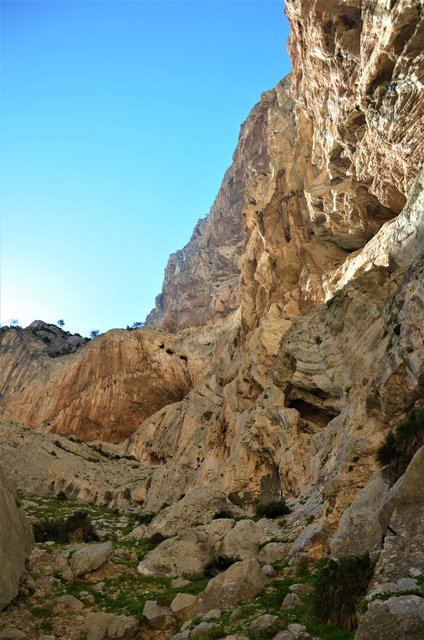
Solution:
(126, 594)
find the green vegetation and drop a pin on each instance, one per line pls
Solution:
(399, 447)
(77, 526)
(272, 509)
(223, 513)
(127, 593)
(125, 590)
(338, 588)
(44, 615)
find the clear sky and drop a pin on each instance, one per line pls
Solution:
(118, 121)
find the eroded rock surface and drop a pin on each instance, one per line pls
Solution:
(95, 389)
(16, 541)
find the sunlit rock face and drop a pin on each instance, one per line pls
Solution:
(357, 76)
(304, 289)
(95, 389)
(201, 280)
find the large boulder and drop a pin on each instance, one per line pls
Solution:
(187, 553)
(273, 551)
(16, 541)
(105, 626)
(90, 558)
(242, 581)
(158, 617)
(393, 619)
(182, 605)
(243, 540)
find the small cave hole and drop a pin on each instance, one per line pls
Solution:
(310, 413)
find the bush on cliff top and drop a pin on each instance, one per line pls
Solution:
(400, 445)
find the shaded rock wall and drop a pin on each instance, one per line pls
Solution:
(16, 542)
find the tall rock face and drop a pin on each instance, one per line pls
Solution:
(304, 286)
(201, 280)
(358, 71)
(16, 542)
(101, 388)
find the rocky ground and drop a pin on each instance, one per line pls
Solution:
(134, 583)
(60, 597)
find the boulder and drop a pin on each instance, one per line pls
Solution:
(243, 540)
(312, 539)
(67, 603)
(269, 571)
(201, 629)
(157, 616)
(16, 542)
(301, 589)
(242, 581)
(90, 558)
(359, 528)
(290, 601)
(102, 626)
(264, 622)
(182, 605)
(179, 583)
(273, 551)
(12, 634)
(294, 631)
(213, 614)
(393, 619)
(187, 553)
(182, 635)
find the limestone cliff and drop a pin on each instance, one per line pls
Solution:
(101, 388)
(304, 287)
(201, 281)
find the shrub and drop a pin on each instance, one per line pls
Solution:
(399, 447)
(338, 588)
(272, 509)
(145, 518)
(219, 564)
(77, 526)
(155, 540)
(222, 513)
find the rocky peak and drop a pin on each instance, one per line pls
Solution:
(201, 282)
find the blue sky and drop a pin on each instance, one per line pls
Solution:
(118, 121)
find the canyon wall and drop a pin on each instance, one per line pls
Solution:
(303, 287)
